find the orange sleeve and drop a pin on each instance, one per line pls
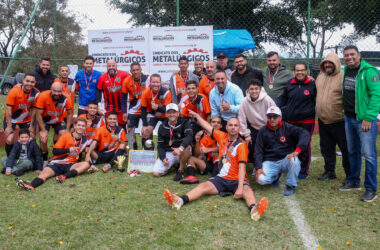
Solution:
(124, 85)
(12, 97)
(203, 142)
(61, 143)
(242, 153)
(168, 98)
(206, 105)
(123, 136)
(40, 102)
(218, 136)
(144, 102)
(69, 105)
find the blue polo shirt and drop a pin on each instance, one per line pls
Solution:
(86, 96)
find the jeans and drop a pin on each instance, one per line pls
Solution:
(23, 164)
(358, 141)
(272, 169)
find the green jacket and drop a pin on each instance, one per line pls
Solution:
(367, 92)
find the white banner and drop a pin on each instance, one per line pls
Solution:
(123, 45)
(168, 44)
(157, 49)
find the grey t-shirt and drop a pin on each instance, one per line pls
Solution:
(24, 152)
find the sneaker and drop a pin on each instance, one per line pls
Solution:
(92, 169)
(24, 185)
(290, 190)
(349, 186)
(173, 200)
(303, 176)
(178, 176)
(369, 196)
(190, 180)
(60, 178)
(326, 176)
(258, 210)
(106, 168)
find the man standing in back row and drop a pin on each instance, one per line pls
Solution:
(361, 102)
(244, 74)
(329, 110)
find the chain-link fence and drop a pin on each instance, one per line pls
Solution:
(297, 29)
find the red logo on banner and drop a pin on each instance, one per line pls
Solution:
(195, 50)
(132, 52)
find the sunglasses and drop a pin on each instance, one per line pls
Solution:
(272, 116)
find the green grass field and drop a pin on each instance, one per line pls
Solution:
(106, 211)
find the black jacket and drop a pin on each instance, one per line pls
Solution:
(182, 136)
(243, 80)
(34, 154)
(43, 82)
(298, 100)
(274, 145)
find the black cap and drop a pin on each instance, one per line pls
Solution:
(221, 54)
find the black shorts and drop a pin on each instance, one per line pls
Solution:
(57, 127)
(105, 157)
(225, 185)
(60, 169)
(210, 167)
(133, 120)
(153, 121)
(21, 125)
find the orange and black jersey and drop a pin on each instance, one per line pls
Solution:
(206, 85)
(200, 105)
(134, 90)
(103, 136)
(61, 149)
(69, 88)
(53, 110)
(92, 125)
(230, 155)
(208, 142)
(162, 98)
(111, 88)
(21, 103)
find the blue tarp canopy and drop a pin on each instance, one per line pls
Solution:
(232, 41)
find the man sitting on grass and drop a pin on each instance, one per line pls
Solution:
(108, 143)
(233, 155)
(277, 147)
(64, 163)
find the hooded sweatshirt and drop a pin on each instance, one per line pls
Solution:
(329, 108)
(232, 94)
(253, 113)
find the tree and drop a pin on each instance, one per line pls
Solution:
(14, 16)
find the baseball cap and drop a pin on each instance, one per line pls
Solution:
(221, 54)
(172, 106)
(274, 110)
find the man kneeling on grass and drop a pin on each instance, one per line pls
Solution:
(64, 163)
(277, 147)
(233, 154)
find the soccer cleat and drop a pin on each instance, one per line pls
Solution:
(190, 180)
(60, 178)
(106, 168)
(173, 200)
(258, 210)
(178, 176)
(290, 190)
(24, 185)
(120, 161)
(92, 169)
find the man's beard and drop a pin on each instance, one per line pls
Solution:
(112, 73)
(56, 97)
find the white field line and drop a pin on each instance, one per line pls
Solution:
(304, 230)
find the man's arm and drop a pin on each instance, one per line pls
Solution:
(32, 119)
(8, 116)
(204, 124)
(92, 147)
(39, 119)
(69, 119)
(238, 96)
(188, 134)
(239, 191)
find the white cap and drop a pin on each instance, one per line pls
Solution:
(172, 106)
(274, 110)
